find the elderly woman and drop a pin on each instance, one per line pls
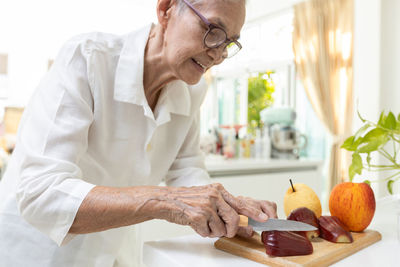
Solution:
(114, 117)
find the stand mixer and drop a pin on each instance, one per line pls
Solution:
(286, 140)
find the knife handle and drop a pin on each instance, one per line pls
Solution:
(244, 221)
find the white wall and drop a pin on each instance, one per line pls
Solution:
(366, 66)
(32, 32)
(390, 55)
(390, 67)
(260, 8)
(376, 65)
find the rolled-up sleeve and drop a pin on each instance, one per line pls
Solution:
(188, 169)
(53, 136)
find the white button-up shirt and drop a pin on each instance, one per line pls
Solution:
(89, 123)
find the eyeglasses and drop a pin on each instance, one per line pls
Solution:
(216, 36)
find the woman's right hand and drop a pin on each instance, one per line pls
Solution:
(212, 211)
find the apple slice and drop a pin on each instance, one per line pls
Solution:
(305, 215)
(331, 229)
(284, 243)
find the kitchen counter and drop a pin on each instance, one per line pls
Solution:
(218, 166)
(195, 251)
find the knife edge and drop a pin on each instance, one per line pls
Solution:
(280, 225)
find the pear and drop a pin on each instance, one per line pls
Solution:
(301, 195)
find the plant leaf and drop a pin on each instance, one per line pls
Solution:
(356, 166)
(390, 186)
(390, 122)
(382, 119)
(361, 131)
(369, 158)
(361, 118)
(373, 140)
(350, 144)
(368, 182)
(398, 124)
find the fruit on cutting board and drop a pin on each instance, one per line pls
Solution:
(305, 215)
(354, 205)
(333, 230)
(301, 195)
(284, 243)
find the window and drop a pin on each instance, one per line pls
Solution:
(309, 124)
(267, 45)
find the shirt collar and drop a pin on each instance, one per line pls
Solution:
(176, 98)
(128, 85)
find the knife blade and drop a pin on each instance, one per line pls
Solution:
(280, 225)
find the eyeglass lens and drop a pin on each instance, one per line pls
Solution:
(216, 37)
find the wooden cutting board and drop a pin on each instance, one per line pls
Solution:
(325, 253)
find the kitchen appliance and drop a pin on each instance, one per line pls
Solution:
(280, 225)
(286, 140)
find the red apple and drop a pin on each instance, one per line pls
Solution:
(353, 204)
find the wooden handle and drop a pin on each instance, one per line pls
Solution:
(244, 221)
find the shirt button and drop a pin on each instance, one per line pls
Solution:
(148, 148)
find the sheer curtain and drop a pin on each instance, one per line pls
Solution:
(323, 49)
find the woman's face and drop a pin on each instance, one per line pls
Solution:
(185, 52)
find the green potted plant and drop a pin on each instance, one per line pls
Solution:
(260, 90)
(371, 139)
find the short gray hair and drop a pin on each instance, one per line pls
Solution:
(182, 5)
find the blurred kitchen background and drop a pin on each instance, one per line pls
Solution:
(264, 119)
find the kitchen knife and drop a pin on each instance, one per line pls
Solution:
(280, 225)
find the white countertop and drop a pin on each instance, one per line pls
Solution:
(217, 166)
(195, 251)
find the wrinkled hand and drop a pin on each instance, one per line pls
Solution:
(212, 211)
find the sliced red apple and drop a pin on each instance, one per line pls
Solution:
(284, 243)
(331, 229)
(305, 215)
